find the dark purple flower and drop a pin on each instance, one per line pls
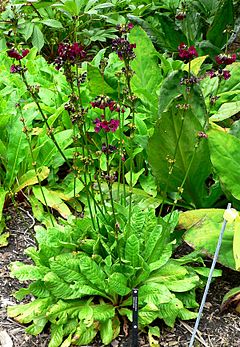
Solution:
(226, 74)
(102, 102)
(211, 73)
(107, 126)
(13, 53)
(69, 53)
(15, 68)
(180, 15)
(186, 54)
(123, 48)
(108, 149)
(225, 59)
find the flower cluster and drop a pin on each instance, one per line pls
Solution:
(181, 15)
(124, 28)
(123, 48)
(69, 53)
(185, 53)
(102, 102)
(108, 149)
(13, 53)
(225, 59)
(107, 126)
(16, 68)
(219, 73)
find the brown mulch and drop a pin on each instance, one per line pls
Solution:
(216, 329)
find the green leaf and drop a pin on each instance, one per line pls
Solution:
(169, 311)
(57, 286)
(216, 33)
(16, 151)
(27, 272)
(52, 23)
(56, 335)
(31, 178)
(199, 222)
(227, 110)
(97, 84)
(132, 249)
(147, 77)
(190, 160)
(2, 200)
(106, 332)
(195, 65)
(93, 272)
(154, 238)
(53, 200)
(37, 38)
(154, 293)
(236, 243)
(225, 157)
(135, 177)
(117, 283)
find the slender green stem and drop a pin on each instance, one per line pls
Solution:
(34, 164)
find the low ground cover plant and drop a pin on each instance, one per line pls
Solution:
(107, 142)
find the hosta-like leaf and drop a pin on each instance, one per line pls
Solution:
(199, 222)
(132, 250)
(147, 77)
(154, 293)
(16, 152)
(53, 200)
(225, 157)
(195, 162)
(103, 312)
(30, 178)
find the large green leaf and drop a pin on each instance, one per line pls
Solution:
(203, 228)
(216, 33)
(147, 77)
(225, 157)
(236, 243)
(16, 151)
(132, 250)
(188, 159)
(97, 83)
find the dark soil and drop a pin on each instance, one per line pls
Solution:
(216, 329)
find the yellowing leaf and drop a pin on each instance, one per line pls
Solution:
(195, 64)
(30, 178)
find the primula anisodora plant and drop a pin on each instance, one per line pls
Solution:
(85, 267)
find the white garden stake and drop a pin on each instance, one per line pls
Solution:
(229, 216)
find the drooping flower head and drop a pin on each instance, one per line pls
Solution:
(123, 48)
(69, 53)
(225, 59)
(186, 54)
(106, 126)
(13, 53)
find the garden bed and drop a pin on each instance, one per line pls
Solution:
(217, 329)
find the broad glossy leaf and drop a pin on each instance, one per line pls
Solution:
(216, 33)
(37, 38)
(188, 159)
(97, 83)
(203, 228)
(53, 200)
(225, 157)
(16, 151)
(236, 242)
(135, 177)
(56, 335)
(31, 178)
(195, 65)
(27, 272)
(227, 110)
(93, 272)
(2, 200)
(147, 77)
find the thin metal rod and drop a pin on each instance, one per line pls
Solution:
(209, 280)
(135, 317)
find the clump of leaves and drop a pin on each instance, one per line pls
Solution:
(82, 279)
